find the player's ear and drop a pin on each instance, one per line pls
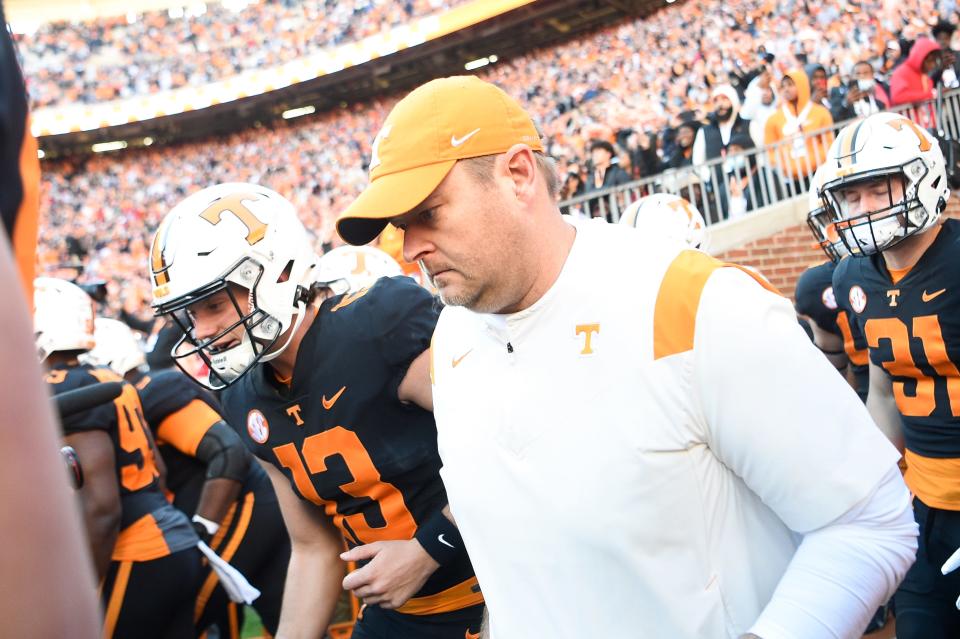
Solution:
(519, 165)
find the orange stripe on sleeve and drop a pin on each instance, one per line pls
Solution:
(116, 598)
(859, 357)
(25, 227)
(185, 428)
(675, 312)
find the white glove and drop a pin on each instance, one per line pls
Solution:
(950, 565)
(238, 588)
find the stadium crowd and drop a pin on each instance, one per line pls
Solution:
(607, 110)
(117, 57)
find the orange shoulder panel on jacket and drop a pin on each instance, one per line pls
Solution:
(675, 313)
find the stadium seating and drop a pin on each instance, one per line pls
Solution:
(642, 75)
(125, 56)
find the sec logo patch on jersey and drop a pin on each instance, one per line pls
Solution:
(829, 299)
(257, 426)
(858, 298)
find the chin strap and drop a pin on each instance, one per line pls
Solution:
(301, 312)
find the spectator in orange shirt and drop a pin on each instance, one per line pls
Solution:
(797, 154)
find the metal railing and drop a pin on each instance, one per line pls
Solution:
(724, 187)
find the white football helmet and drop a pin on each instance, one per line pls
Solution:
(241, 234)
(347, 269)
(670, 215)
(883, 150)
(62, 317)
(820, 219)
(118, 347)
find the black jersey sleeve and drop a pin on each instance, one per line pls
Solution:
(843, 278)
(405, 323)
(841, 285)
(815, 297)
(102, 417)
(165, 392)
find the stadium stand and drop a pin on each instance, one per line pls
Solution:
(129, 55)
(633, 84)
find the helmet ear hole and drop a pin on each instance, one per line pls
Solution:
(285, 273)
(941, 204)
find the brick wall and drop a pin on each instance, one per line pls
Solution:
(784, 254)
(781, 257)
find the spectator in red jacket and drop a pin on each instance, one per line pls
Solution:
(910, 82)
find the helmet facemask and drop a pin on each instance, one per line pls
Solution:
(820, 221)
(873, 231)
(260, 331)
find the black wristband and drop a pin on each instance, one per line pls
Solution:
(440, 538)
(202, 532)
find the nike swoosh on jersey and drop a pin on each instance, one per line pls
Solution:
(444, 541)
(328, 403)
(457, 360)
(926, 298)
(455, 141)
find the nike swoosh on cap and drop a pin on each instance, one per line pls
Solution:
(455, 141)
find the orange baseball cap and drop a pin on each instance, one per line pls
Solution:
(438, 123)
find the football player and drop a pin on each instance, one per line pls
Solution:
(886, 187)
(816, 302)
(332, 393)
(212, 477)
(356, 267)
(143, 549)
(673, 216)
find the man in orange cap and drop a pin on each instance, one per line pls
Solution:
(596, 383)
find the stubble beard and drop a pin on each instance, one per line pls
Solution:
(465, 298)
